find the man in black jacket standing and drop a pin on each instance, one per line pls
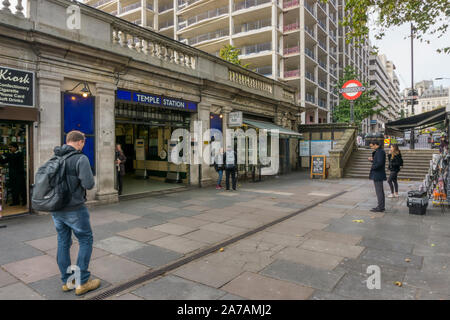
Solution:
(378, 173)
(17, 175)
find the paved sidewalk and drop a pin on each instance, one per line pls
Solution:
(322, 253)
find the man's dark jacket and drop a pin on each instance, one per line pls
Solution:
(16, 164)
(79, 176)
(378, 172)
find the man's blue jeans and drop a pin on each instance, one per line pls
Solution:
(219, 181)
(78, 222)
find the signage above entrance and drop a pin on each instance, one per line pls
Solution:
(16, 87)
(155, 100)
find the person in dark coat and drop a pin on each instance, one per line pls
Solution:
(219, 166)
(378, 173)
(16, 166)
(395, 162)
(120, 167)
(230, 161)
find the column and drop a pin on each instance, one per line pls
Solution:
(275, 42)
(48, 131)
(144, 13)
(156, 14)
(230, 20)
(105, 142)
(316, 115)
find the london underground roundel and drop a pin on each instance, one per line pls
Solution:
(352, 89)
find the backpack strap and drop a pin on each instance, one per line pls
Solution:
(64, 158)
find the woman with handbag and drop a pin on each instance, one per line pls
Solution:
(395, 162)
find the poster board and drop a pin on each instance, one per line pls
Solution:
(304, 148)
(318, 166)
(321, 147)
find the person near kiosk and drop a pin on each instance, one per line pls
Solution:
(16, 165)
(378, 173)
(230, 161)
(120, 167)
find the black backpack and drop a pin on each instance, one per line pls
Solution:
(51, 192)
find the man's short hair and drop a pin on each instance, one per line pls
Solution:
(75, 136)
(378, 143)
(15, 145)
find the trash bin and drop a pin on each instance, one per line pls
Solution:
(417, 202)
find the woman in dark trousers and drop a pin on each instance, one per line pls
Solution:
(395, 162)
(378, 173)
(120, 166)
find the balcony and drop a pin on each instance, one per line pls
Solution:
(291, 73)
(310, 98)
(323, 64)
(130, 7)
(166, 24)
(138, 22)
(255, 25)
(257, 48)
(310, 8)
(208, 36)
(310, 31)
(322, 24)
(265, 71)
(333, 36)
(185, 3)
(166, 8)
(203, 16)
(322, 45)
(309, 76)
(292, 50)
(290, 4)
(249, 3)
(101, 2)
(322, 5)
(291, 27)
(323, 103)
(310, 53)
(323, 84)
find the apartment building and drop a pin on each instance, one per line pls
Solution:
(295, 41)
(384, 81)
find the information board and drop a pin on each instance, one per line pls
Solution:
(320, 147)
(318, 166)
(304, 148)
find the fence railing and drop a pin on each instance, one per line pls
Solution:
(209, 36)
(309, 53)
(249, 3)
(265, 71)
(130, 7)
(309, 76)
(206, 15)
(291, 50)
(289, 4)
(254, 25)
(257, 48)
(310, 31)
(291, 27)
(291, 73)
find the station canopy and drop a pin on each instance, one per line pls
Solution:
(269, 126)
(423, 120)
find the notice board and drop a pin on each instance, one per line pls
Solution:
(318, 166)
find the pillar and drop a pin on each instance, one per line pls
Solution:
(47, 133)
(105, 142)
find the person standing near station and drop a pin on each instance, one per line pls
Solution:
(230, 161)
(218, 166)
(395, 162)
(378, 173)
(120, 167)
(16, 166)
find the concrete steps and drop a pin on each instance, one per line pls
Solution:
(415, 164)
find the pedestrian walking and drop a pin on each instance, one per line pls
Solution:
(395, 162)
(443, 145)
(120, 167)
(230, 161)
(378, 173)
(219, 166)
(74, 217)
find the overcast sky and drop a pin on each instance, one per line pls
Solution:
(428, 64)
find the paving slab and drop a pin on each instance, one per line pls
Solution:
(212, 217)
(44, 244)
(50, 288)
(19, 291)
(17, 252)
(277, 238)
(33, 269)
(428, 281)
(6, 278)
(223, 228)
(348, 239)
(383, 244)
(392, 258)
(176, 288)
(302, 274)
(123, 269)
(289, 230)
(178, 244)
(230, 296)
(142, 234)
(334, 248)
(206, 236)
(118, 245)
(214, 275)
(437, 264)
(164, 209)
(96, 253)
(126, 296)
(389, 273)
(310, 258)
(189, 222)
(355, 286)
(302, 223)
(323, 295)
(258, 287)
(153, 256)
(174, 229)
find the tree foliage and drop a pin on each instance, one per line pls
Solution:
(429, 18)
(365, 106)
(231, 53)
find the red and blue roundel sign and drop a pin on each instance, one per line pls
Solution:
(352, 89)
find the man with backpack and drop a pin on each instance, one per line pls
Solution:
(64, 189)
(230, 161)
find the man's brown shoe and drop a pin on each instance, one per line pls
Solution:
(88, 286)
(65, 288)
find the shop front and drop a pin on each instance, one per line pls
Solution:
(17, 114)
(144, 126)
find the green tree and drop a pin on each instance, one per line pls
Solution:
(364, 106)
(429, 17)
(231, 53)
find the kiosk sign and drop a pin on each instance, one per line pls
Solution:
(16, 87)
(352, 89)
